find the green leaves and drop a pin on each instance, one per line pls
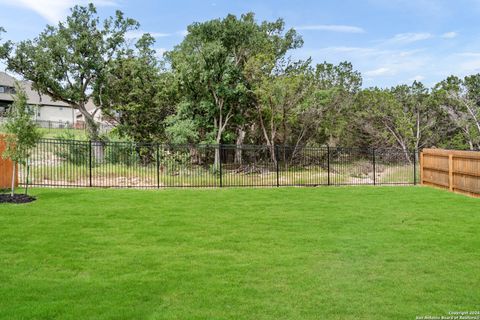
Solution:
(70, 61)
(140, 93)
(460, 100)
(5, 47)
(22, 132)
(208, 72)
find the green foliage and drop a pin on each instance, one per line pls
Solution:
(232, 80)
(174, 161)
(181, 131)
(121, 153)
(403, 116)
(70, 61)
(209, 66)
(5, 47)
(140, 93)
(459, 100)
(71, 150)
(22, 131)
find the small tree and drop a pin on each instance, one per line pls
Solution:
(23, 134)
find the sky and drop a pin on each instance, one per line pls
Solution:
(389, 41)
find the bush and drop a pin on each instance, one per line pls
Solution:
(174, 161)
(121, 153)
(75, 152)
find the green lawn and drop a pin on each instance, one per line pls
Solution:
(287, 253)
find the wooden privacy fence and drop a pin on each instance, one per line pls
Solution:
(457, 171)
(6, 167)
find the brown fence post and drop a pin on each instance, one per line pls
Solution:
(450, 172)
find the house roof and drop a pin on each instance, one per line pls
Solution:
(6, 80)
(33, 96)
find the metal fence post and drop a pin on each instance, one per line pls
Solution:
(158, 166)
(328, 165)
(415, 167)
(220, 163)
(374, 171)
(276, 164)
(90, 161)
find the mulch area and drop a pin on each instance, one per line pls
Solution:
(17, 198)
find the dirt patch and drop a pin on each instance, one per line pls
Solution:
(17, 198)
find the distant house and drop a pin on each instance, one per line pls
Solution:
(106, 122)
(44, 108)
(92, 109)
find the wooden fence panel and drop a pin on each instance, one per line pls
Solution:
(457, 171)
(6, 167)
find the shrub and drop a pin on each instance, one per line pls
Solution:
(174, 161)
(75, 152)
(121, 153)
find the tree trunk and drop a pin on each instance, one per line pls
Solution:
(98, 151)
(92, 130)
(407, 154)
(13, 178)
(195, 155)
(216, 163)
(273, 155)
(91, 126)
(239, 143)
(26, 178)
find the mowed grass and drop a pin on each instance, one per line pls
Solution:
(286, 253)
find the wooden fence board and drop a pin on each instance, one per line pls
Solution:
(6, 167)
(457, 171)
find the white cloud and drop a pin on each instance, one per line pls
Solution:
(409, 37)
(136, 34)
(416, 78)
(449, 35)
(378, 72)
(54, 10)
(469, 54)
(332, 27)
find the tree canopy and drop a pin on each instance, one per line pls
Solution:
(235, 80)
(70, 61)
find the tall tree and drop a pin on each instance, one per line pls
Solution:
(70, 61)
(280, 96)
(336, 89)
(401, 116)
(418, 114)
(139, 93)
(460, 99)
(209, 65)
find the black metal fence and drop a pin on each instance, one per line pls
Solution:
(71, 163)
(56, 126)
